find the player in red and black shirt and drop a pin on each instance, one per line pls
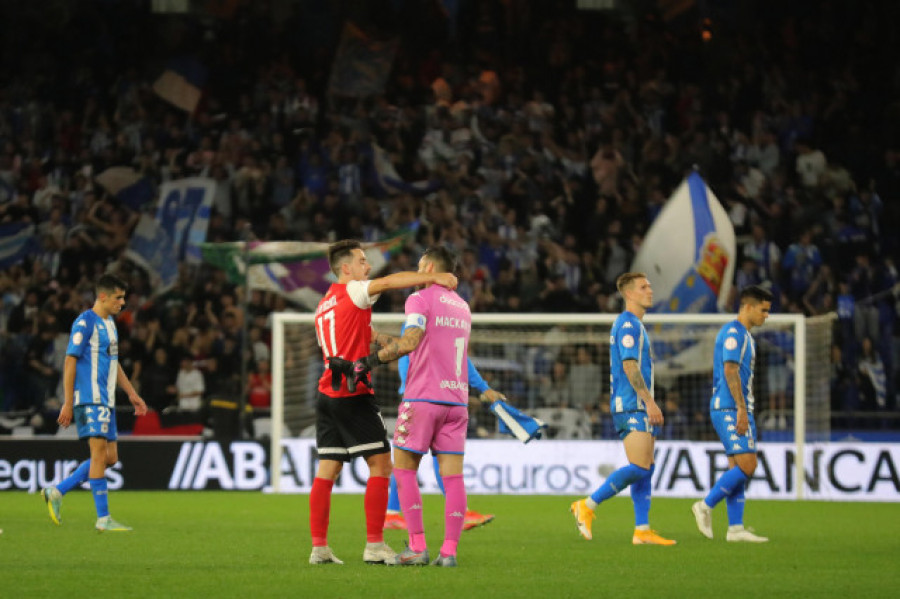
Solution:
(348, 422)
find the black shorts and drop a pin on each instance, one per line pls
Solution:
(348, 427)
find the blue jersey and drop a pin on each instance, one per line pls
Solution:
(733, 344)
(475, 380)
(628, 340)
(95, 343)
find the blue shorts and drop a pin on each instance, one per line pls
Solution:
(95, 421)
(630, 422)
(725, 422)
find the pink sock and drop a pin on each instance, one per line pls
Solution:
(454, 512)
(411, 504)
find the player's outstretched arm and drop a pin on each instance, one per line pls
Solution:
(404, 280)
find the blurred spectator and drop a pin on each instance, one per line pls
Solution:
(259, 385)
(189, 386)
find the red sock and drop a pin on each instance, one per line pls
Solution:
(376, 507)
(319, 510)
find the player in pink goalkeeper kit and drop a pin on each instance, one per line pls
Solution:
(434, 413)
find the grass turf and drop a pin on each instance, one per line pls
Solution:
(219, 544)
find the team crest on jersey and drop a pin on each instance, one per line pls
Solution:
(77, 338)
(628, 341)
(731, 343)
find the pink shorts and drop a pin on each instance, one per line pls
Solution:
(422, 425)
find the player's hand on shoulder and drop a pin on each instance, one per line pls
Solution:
(446, 279)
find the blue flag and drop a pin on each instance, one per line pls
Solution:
(183, 213)
(17, 241)
(516, 423)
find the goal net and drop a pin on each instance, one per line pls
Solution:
(556, 367)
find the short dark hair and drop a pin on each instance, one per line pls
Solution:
(443, 259)
(340, 251)
(108, 283)
(626, 279)
(755, 294)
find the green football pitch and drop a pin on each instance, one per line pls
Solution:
(217, 544)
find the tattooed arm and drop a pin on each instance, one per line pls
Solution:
(396, 348)
(733, 379)
(383, 339)
(633, 372)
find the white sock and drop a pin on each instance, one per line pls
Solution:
(642, 527)
(590, 503)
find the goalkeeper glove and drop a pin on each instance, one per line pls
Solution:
(360, 371)
(339, 368)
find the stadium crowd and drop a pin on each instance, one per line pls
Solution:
(550, 140)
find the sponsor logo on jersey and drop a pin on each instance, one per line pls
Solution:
(627, 325)
(734, 437)
(735, 446)
(730, 427)
(81, 323)
(628, 341)
(732, 330)
(729, 419)
(632, 420)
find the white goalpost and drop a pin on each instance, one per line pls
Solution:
(557, 365)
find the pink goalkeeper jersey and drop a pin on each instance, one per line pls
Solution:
(438, 370)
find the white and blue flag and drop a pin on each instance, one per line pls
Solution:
(689, 252)
(183, 213)
(17, 241)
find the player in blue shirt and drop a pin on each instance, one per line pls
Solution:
(636, 416)
(90, 375)
(731, 411)
(394, 519)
